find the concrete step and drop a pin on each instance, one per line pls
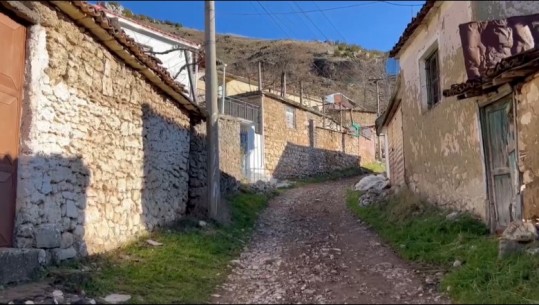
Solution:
(20, 265)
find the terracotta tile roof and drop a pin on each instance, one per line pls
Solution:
(128, 44)
(411, 27)
(153, 28)
(507, 70)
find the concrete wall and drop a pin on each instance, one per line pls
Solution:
(104, 154)
(442, 148)
(528, 145)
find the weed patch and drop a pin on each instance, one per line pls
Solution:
(420, 232)
(185, 269)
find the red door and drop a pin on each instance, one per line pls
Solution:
(12, 49)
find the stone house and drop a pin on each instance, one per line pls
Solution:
(99, 145)
(443, 146)
(293, 140)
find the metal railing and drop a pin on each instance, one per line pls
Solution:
(241, 109)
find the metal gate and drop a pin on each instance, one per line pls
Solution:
(12, 55)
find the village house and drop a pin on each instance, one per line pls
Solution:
(468, 148)
(288, 140)
(99, 142)
(177, 54)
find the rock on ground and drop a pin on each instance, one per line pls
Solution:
(304, 251)
(376, 182)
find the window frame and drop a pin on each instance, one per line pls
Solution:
(292, 110)
(431, 64)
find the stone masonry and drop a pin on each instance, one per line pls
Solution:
(104, 154)
(307, 149)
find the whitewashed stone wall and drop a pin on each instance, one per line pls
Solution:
(104, 155)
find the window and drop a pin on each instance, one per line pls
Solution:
(290, 116)
(432, 74)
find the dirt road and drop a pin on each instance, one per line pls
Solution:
(309, 248)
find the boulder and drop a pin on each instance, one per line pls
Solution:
(372, 182)
(519, 231)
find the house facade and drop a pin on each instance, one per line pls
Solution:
(178, 55)
(293, 141)
(96, 147)
(443, 140)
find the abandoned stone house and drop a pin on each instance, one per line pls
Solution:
(96, 142)
(470, 147)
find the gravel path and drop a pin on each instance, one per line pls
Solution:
(309, 248)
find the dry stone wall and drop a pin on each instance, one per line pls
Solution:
(104, 154)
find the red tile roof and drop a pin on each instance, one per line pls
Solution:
(153, 28)
(412, 26)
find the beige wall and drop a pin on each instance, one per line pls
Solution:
(442, 148)
(528, 145)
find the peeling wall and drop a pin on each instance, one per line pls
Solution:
(442, 148)
(489, 10)
(528, 145)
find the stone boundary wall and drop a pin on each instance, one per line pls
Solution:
(104, 155)
(229, 162)
(306, 149)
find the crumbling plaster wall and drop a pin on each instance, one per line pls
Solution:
(528, 145)
(490, 10)
(442, 148)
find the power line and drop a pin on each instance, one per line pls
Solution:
(327, 9)
(274, 19)
(329, 21)
(310, 20)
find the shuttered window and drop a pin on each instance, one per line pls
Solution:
(290, 117)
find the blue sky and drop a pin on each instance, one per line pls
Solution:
(370, 24)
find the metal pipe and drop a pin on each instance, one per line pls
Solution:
(223, 90)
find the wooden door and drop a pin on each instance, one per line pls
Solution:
(501, 162)
(12, 56)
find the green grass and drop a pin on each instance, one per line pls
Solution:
(420, 232)
(335, 175)
(375, 167)
(186, 269)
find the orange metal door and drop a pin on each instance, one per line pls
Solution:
(12, 49)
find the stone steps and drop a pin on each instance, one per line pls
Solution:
(20, 265)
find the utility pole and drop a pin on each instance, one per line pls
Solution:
(190, 74)
(283, 84)
(223, 90)
(376, 80)
(212, 124)
(301, 93)
(259, 76)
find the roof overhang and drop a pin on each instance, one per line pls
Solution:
(510, 70)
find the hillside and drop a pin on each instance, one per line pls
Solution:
(323, 67)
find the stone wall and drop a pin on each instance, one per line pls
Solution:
(104, 154)
(306, 150)
(229, 162)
